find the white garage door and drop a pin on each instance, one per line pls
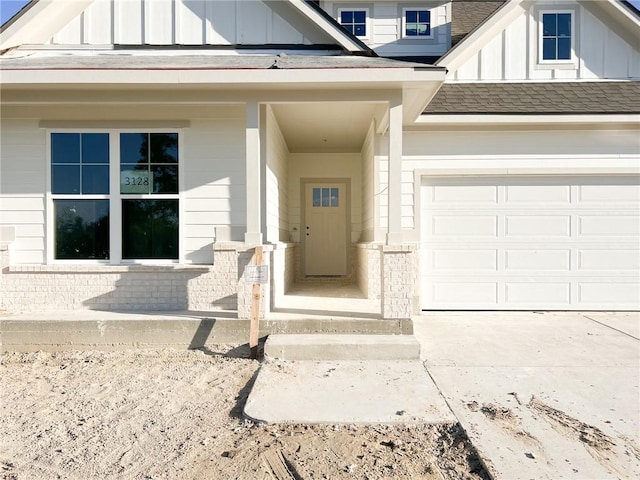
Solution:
(507, 243)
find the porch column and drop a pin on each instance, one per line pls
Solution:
(394, 232)
(253, 235)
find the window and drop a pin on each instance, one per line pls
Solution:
(556, 36)
(325, 197)
(355, 21)
(416, 23)
(80, 187)
(145, 196)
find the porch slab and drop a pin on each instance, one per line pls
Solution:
(341, 392)
(342, 347)
(103, 330)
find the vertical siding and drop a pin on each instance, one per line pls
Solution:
(214, 182)
(23, 187)
(512, 54)
(187, 22)
(385, 27)
(277, 183)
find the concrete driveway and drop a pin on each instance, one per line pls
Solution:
(541, 395)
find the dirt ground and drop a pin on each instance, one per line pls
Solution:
(178, 415)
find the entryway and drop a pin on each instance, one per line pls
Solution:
(325, 234)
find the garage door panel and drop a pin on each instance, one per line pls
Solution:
(538, 193)
(608, 193)
(559, 243)
(537, 293)
(464, 194)
(464, 293)
(538, 260)
(465, 259)
(601, 259)
(608, 225)
(465, 225)
(606, 292)
(538, 225)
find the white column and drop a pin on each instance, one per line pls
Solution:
(253, 235)
(394, 233)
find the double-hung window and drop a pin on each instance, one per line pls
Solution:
(416, 23)
(354, 21)
(102, 216)
(80, 190)
(556, 37)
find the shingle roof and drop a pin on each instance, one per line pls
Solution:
(127, 61)
(573, 98)
(467, 15)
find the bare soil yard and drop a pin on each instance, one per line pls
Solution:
(178, 415)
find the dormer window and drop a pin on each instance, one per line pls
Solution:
(556, 37)
(416, 23)
(354, 21)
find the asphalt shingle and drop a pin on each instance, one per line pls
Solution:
(536, 98)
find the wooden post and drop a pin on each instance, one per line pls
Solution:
(256, 296)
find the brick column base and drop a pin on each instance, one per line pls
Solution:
(245, 290)
(399, 281)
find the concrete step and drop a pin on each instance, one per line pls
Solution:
(342, 347)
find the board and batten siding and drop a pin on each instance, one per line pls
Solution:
(385, 23)
(23, 186)
(185, 22)
(512, 55)
(277, 189)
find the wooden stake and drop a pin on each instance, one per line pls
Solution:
(256, 296)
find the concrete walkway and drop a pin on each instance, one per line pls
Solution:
(541, 395)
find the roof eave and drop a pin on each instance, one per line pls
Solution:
(452, 119)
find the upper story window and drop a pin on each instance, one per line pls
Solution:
(416, 23)
(556, 37)
(354, 20)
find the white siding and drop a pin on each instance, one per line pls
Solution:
(327, 165)
(214, 180)
(385, 25)
(277, 208)
(368, 187)
(513, 54)
(509, 152)
(23, 186)
(187, 22)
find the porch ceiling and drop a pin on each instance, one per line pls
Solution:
(328, 127)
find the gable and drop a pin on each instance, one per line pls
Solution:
(175, 22)
(603, 46)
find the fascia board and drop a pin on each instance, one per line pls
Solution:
(41, 21)
(351, 77)
(528, 119)
(480, 37)
(337, 34)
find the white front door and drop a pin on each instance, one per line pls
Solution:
(324, 232)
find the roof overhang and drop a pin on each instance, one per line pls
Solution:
(64, 86)
(528, 120)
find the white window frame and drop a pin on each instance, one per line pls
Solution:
(403, 33)
(115, 199)
(561, 62)
(367, 19)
